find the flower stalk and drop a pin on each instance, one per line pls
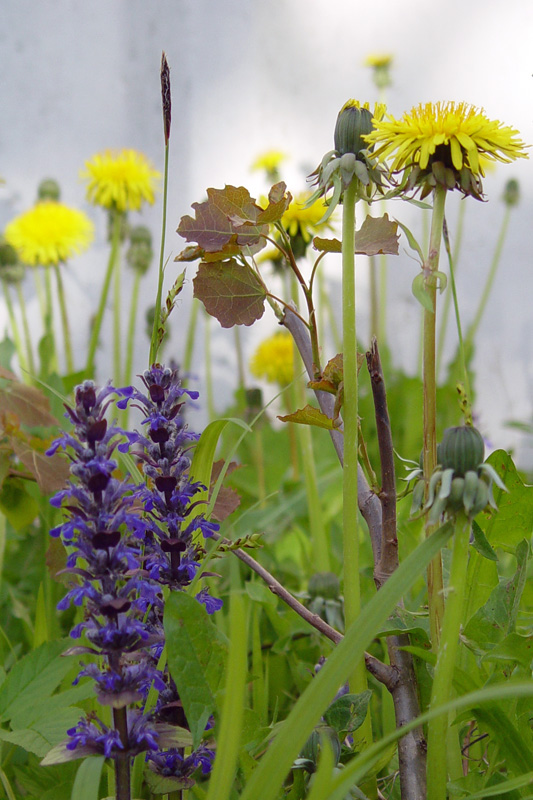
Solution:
(64, 320)
(446, 658)
(436, 600)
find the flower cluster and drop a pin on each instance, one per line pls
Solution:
(126, 542)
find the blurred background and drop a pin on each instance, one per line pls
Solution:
(78, 78)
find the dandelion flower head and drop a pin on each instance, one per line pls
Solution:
(269, 161)
(303, 219)
(49, 233)
(121, 180)
(274, 359)
(378, 60)
(456, 134)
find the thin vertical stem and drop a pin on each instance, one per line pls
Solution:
(117, 304)
(435, 596)
(442, 681)
(490, 281)
(122, 760)
(157, 316)
(49, 321)
(241, 379)
(352, 589)
(113, 258)
(26, 329)
(14, 327)
(208, 368)
(64, 319)
(189, 340)
(132, 326)
(447, 297)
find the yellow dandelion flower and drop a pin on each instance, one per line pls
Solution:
(120, 180)
(269, 161)
(274, 359)
(305, 220)
(49, 233)
(455, 133)
(378, 60)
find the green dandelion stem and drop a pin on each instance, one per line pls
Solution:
(113, 258)
(446, 659)
(15, 328)
(117, 304)
(49, 322)
(435, 597)
(352, 589)
(64, 319)
(40, 292)
(154, 344)
(374, 302)
(448, 297)
(490, 281)
(463, 353)
(241, 378)
(132, 326)
(26, 329)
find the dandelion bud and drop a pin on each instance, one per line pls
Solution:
(140, 253)
(511, 194)
(48, 189)
(462, 449)
(353, 123)
(11, 268)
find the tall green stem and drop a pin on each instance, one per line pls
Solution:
(157, 316)
(435, 596)
(189, 339)
(26, 329)
(490, 280)
(352, 589)
(446, 658)
(113, 258)
(132, 325)
(208, 369)
(117, 305)
(447, 298)
(64, 319)
(49, 323)
(14, 328)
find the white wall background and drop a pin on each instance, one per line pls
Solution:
(78, 77)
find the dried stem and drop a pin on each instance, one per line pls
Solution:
(412, 746)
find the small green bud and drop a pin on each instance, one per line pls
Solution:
(353, 122)
(139, 255)
(48, 189)
(511, 194)
(462, 449)
(12, 270)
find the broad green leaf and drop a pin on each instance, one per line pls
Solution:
(514, 520)
(231, 292)
(159, 784)
(28, 739)
(87, 782)
(268, 778)
(204, 456)
(348, 712)
(310, 416)
(497, 617)
(17, 504)
(33, 679)
(502, 788)
(196, 658)
(513, 648)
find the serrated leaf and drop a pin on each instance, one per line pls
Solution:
(514, 520)
(231, 292)
(196, 658)
(225, 222)
(278, 202)
(310, 416)
(513, 648)
(28, 739)
(377, 235)
(420, 291)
